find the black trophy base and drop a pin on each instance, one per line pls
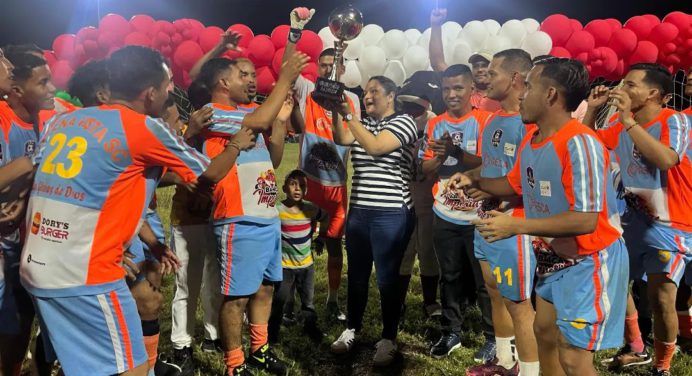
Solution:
(327, 92)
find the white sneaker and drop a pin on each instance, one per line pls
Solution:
(386, 350)
(345, 342)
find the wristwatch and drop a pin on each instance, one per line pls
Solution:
(348, 117)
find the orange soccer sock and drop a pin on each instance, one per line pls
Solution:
(258, 336)
(151, 344)
(633, 336)
(664, 354)
(233, 359)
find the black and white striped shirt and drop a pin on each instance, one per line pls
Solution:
(382, 182)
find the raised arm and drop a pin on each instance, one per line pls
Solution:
(436, 50)
(228, 42)
(279, 129)
(597, 98)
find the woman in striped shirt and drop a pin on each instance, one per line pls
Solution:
(380, 218)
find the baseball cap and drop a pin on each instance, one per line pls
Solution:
(480, 55)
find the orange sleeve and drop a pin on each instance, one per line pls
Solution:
(428, 154)
(610, 135)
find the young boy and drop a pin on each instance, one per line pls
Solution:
(298, 219)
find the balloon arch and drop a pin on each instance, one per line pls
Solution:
(607, 47)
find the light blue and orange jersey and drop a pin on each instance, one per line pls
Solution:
(296, 234)
(569, 171)
(248, 192)
(61, 106)
(665, 195)
(466, 133)
(19, 139)
(499, 149)
(90, 193)
(320, 157)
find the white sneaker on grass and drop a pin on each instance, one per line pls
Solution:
(345, 342)
(385, 353)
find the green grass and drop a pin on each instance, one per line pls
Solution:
(315, 359)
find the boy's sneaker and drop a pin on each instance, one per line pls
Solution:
(265, 359)
(625, 357)
(183, 359)
(212, 345)
(445, 345)
(345, 342)
(385, 353)
(334, 313)
(492, 369)
(486, 353)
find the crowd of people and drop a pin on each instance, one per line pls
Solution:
(572, 235)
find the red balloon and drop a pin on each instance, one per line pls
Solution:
(575, 25)
(50, 58)
(265, 80)
(166, 51)
(276, 62)
(310, 71)
(681, 20)
(580, 41)
(560, 52)
(261, 50)
(87, 33)
(92, 50)
(162, 39)
(311, 44)
(583, 57)
(61, 72)
(64, 45)
(176, 39)
(209, 38)
(245, 32)
(558, 27)
(646, 52)
(115, 24)
(663, 33)
(614, 24)
(196, 24)
(640, 25)
(137, 38)
(652, 19)
(187, 54)
(618, 72)
(142, 23)
(601, 31)
(280, 36)
(79, 56)
(108, 41)
(623, 42)
(162, 27)
(603, 61)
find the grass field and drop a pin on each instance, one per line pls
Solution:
(415, 336)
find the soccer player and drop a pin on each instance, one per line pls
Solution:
(6, 77)
(453, 146)
(652, 145)
(683, 301)
(562, 173)
(508, 265)
(89, 84)
(245, 219)
(73, 270)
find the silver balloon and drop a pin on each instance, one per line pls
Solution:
(346, 23)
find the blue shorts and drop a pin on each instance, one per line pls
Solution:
(9, 282)
(512, 263)
(656, 249)
(94, 334)
(590, 298)
(248, 253)
(139, 249)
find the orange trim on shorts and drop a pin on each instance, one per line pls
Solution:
(229, 259)
(123, 329)
(597, 301)
(522, 290)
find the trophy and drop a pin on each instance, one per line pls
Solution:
(345, 24)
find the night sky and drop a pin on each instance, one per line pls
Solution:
(39, 21)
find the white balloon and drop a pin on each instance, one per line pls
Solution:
(492, 26)
(327, 37)
(416, 59)
(497, 43)
(372, 60)
(372, 34)
(531, 25)
(412, 35)
(394, 44)
(475, 34)
(514, 31)
(354, 48)
(351, 77)
(424, 39)
(537, 43)
(450, 30)
(461, 52)
(396, 72)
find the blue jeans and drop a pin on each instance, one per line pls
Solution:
(380, 236)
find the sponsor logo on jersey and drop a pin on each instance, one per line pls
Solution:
(36, 223)
(50, 229)
(266, 189)
(497, 136)
(529, 177)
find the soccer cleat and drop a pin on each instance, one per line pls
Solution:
(183, 359)
(486, 353)
(625, 357)
(264, 359)
(239, 371)
(660, 372)
(212, 346)
(345, 342)
(334, 313)
(385, 352)
(492, 369)
(163, 367)
(445, 345)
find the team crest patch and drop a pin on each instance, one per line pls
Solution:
(664, 256)
(29, 148)
(457, 138)
(529, 177)
(636, 154)
(497, 136)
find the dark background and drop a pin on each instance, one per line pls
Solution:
(40, 21)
